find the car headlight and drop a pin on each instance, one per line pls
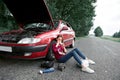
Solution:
(29, 40)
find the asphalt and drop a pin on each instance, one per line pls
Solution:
(104, 52)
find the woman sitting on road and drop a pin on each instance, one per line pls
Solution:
(62, 56)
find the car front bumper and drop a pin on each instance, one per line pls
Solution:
(21, 50)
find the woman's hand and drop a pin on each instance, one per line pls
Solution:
(62, 53)
(57, 44)
(65, 50)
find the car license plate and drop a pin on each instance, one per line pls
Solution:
(5, 48)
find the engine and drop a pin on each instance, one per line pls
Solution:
(14, 37)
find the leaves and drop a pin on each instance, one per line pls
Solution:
(116, 34)
(79, 13)
(98, 32)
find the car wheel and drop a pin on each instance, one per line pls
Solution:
(73, 44)
(50, 56)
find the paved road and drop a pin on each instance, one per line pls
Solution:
(104, 52)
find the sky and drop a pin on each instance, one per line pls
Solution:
(107, 16)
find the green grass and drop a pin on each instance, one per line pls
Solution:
(78, 38)
(111, 38)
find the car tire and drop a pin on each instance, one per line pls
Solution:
(50, 56)
(73, 44)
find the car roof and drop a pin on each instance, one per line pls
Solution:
(29, 11)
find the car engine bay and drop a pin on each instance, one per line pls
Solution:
(14, 37)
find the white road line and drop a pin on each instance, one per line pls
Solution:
(110, 50)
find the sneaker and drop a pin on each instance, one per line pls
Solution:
(88, 70)
(91, 61)
(85, 63)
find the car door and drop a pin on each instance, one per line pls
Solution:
(67, 33)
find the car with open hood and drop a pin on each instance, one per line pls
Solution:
(36, 33)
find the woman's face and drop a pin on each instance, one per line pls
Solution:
(59, 39)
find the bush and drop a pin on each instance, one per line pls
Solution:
(116, 34)
(98, 32)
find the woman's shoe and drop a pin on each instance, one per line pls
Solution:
(91, 61)
(88, 70)
(85, 63)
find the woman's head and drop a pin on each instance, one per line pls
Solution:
(59, 38)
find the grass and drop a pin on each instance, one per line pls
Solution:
(78, 38)
(103, 37)
(111, 38)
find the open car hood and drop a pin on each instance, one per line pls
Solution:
(29, 11)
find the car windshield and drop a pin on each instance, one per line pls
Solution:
(56, 23)
(38, 26)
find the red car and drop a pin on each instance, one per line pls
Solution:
(37, 31)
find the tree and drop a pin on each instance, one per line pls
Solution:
(2, 14)
(79, 13)
(98, 32)
(116, 34)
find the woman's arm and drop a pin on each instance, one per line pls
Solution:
(62, 53)
(65, 50)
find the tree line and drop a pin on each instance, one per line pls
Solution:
(116, 34)
(79, 13)
(99, 32)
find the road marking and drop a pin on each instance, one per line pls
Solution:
(110, 50)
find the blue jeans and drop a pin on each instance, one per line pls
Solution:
(75, 53)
